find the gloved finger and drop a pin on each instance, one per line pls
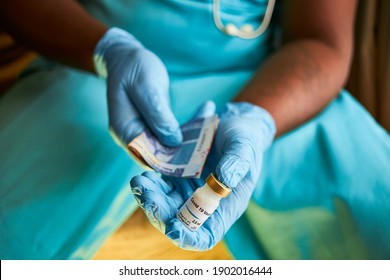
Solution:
(207, 109)
(151, 98)
(150, 193)
(178, 194)
(158, 181)
(123, 117)
(184, 186)
(214, 228)
(200, 240)
(160, 119)
(158, 207)
(230, 209)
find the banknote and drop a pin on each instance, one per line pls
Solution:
(186, 160)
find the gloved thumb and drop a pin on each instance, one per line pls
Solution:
(162, 122)
(234, 164)
(151, 97)
(207, 109)
(244, 133)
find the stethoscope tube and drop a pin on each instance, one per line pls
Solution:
(246, 31)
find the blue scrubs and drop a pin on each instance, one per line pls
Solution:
(324, 189)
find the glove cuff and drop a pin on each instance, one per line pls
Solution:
(112, 38)
(269, 124)
(256, 113)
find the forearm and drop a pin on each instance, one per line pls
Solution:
(297, 82)
(60, 30)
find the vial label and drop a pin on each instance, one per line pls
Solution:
(193, 215)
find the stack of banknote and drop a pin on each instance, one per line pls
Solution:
(186, 160)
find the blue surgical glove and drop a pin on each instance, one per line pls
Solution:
(245, 131)
(137, 89)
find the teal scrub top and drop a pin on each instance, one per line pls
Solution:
(311, 200)
(202, 62)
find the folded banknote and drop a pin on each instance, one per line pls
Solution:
(186, 160)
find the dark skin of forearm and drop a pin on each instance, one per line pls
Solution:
(311, 67)
(296, 83)
(61, 30)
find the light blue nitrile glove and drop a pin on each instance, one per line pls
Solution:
(137, 89)
(245, 131)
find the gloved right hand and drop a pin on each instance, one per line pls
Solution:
(137, 89)
(244, 132)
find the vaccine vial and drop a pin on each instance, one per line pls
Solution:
(202, 203)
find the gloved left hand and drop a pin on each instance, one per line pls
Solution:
(245, 131)
(137, 89)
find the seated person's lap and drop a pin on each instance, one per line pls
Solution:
(65, 183)
(64, 186)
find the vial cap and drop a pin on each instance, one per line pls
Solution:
(217, 186)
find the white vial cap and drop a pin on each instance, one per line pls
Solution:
(214, 184)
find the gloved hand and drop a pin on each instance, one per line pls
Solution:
(137, 89)
(245, 131)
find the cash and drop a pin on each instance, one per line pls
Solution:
(186, 160)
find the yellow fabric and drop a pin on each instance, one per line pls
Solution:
(13, 59)
(327, 235)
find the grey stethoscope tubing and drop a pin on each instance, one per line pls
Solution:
(246, 31)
